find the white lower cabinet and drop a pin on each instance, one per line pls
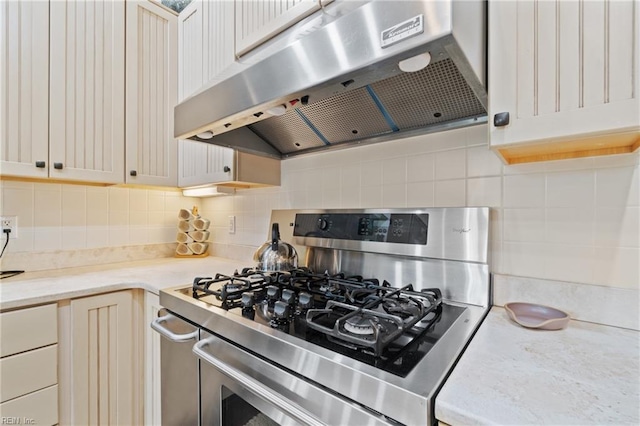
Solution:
(100, 365)
(152, 382)
(28, 366)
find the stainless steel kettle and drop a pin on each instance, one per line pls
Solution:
(276, 255)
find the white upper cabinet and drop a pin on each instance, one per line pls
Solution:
(190, 50)
(566, 72)
(217, 41)
(202, 163)
(259, 20)
(205, 40)
(24, 88)
(205, 37)
(152, 91)
(87, 93)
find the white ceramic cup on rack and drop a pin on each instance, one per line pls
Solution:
(185, 225)
(198, 248)
(183, 249)
(185, 214)
(200, 236)
(201, 224)
(183, 237)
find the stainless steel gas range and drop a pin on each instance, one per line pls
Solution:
(364, 331)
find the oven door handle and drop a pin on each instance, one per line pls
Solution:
(253, 385)
(156, 324)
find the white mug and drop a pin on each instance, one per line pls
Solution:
(201, 224)
(198, 248)
(184, 225)
(183, 237)
(200, 236)
(183, 249)
(185, 214)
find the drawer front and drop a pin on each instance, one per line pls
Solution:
(38, 408)
(28, 372)
(27, 329)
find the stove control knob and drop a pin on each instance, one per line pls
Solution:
(248, 299)
(273, 292)
(288, 296)
(305, 300)
(281, 310)
(323, 224)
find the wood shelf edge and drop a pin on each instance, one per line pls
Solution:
(622, 143)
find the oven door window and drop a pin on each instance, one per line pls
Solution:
(238, 412)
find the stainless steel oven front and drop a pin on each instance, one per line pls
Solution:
(260, 350)
(239, 388)
(207, 380)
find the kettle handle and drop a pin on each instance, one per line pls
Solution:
(275, 236)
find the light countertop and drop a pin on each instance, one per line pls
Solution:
(584, 374)
(47, 286)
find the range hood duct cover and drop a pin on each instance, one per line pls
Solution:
(369, 100)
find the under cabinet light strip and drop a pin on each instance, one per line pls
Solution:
(312, 127)
(382, 109)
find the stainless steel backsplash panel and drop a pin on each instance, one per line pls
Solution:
(455, 258)
(459, 281)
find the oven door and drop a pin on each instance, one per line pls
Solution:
(238, 388)
(179, 370)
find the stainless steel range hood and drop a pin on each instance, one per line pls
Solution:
(337, 75)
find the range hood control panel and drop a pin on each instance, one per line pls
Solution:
(381, 227)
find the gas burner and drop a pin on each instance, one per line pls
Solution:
(360, 325)
(329, 287)
(404, 307)
(233, 290)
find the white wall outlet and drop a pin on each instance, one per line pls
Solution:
(9, 222)
(232, 224)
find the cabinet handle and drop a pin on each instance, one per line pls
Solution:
(501, 119)
(41, 164)
(226, 169)
(133, 173)
(57, 166)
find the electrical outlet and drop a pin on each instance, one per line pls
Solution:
(10, 222)
(232, 224)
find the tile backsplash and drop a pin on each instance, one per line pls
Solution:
(62, 217)
(571, 220)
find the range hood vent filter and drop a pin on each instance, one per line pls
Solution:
(434, 95)
(437, 94)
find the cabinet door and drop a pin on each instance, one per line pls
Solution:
(24, 88)
(202, 163)
(259, 20)
(563, 70)
(102, 359)
(218, 39)
(206, 48)
(152, 79)
(86, 102)
(152, 382)
(190, 50)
